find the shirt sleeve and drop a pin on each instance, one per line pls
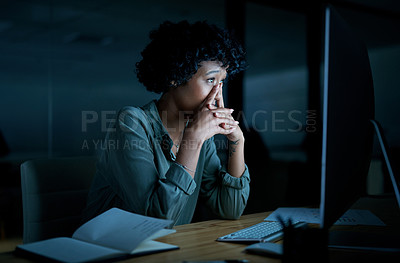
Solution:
(224, 194)
(134, 176)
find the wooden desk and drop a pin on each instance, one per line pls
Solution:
(197, 241)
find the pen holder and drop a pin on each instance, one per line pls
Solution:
(304, 244)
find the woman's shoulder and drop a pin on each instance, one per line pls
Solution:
(135, 110)
(128, 113)
(133, 115)
(131, 110)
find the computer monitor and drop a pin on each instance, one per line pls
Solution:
(348, 107)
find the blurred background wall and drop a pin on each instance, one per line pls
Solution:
(66, 67)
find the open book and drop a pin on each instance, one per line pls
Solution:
(113, 234)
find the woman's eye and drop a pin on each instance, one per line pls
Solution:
(212, 81)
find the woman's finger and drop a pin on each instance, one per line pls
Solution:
(211, 97)
(222, 112)
(211, 107)
(226, 131)
(227, 122)
(219, 98)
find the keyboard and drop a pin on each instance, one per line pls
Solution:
(267, 231)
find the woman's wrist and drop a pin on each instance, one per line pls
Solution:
(192, 140)
(188, 153)
(237, 139)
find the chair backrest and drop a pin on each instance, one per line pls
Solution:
(54, 193)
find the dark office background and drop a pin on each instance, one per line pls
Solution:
(67, 66)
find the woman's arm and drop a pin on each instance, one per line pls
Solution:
(236, 164)
(225, 194)
(205, 124)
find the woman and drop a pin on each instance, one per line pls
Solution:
(164, 157)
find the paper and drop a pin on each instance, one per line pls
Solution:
(114, 234)
(119, 229)
(70, 250)
(312, 215)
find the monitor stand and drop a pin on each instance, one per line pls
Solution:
(372, 240)
(384, 147)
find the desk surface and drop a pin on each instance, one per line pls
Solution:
(197, 242)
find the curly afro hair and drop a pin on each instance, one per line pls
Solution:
(176, 50)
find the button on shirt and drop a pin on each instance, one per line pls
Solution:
(137, 172)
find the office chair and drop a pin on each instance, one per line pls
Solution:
(54, 193)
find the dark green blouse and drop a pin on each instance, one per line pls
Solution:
(137, 172)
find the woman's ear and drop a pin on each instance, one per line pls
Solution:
(172, 86)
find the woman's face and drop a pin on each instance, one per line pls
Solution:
(189, 96)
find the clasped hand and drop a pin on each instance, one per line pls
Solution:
(213, 118)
